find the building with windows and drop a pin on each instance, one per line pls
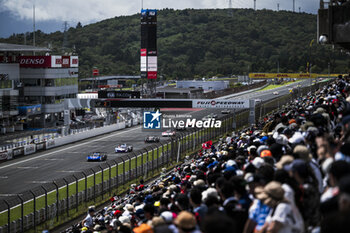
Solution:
(9, 79)
(11, 117)
(49, 83)
(33, 88)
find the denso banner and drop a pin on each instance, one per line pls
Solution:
(205, 103)
(48, 61)
(35, 61)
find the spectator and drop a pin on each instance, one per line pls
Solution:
(199, 209)
(186, 223)
(257, 214)
(344, 195)
(232, 207)
(310, 198)
(282, 216)
(88, 222)
(329, 199)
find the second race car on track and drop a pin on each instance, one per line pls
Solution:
(211, 116)
(168, 133)
(97, 156)
(123, 148)
(226, 111)
(152, 139)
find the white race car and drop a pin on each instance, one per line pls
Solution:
(168, 133)
(275, 93)
(123, 148)
(210, 117)
(152, 139)
(226, 111)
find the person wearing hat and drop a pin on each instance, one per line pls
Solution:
(186, 223)
(265, 153)
(128, 210)
(88, 222)
(302, 152)
(258, 212)
(283, 218)
(143, 228)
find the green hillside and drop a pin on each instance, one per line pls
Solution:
(196, 43)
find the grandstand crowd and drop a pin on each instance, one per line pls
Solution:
(289, 173)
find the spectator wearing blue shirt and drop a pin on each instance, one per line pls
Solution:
(257, 214)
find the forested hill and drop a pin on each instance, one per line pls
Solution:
(196, 43)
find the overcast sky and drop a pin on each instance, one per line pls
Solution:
(54, 12)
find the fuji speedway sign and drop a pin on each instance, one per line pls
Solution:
(205, 103)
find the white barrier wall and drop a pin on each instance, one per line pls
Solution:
(50, 143)
(86, 134)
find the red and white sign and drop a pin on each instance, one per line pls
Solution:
(152, 75)
(143, 61)
(143, 52)
(48, 61)
(65, 61)
(95, 72)
(56, 61)
(74, 61)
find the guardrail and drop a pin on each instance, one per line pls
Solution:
(54, 202)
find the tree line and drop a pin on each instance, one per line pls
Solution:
(200, 43)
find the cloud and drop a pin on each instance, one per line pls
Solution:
(70, 10)
(87, 11)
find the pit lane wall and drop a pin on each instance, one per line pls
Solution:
(84, 135)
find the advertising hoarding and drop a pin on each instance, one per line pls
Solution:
(205, 103)
(48, 61)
